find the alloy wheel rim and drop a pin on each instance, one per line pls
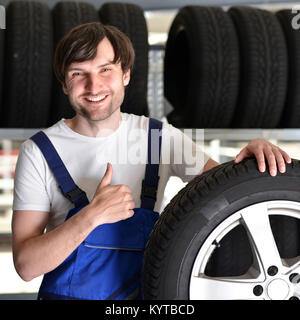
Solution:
(269, 278)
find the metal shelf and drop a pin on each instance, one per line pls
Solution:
(17, 134)
(249, 134)
(209, 134)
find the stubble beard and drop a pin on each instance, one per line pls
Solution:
(84, 111)
(100, 117)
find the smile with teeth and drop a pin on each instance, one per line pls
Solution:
(96, 99)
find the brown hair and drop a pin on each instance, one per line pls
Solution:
(80, 44)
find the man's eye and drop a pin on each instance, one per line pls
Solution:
(76, 74)
(106, 69)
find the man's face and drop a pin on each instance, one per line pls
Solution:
(96, 87)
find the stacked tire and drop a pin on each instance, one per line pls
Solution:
(201, 70)
(31, 96)
(239, 68)
(291, 114)
(264, 68)
(28, 60)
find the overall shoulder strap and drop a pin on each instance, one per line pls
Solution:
(150, 182)
(67, 185)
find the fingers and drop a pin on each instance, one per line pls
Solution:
(286, 157)
(127, 196)
(276, 159)
(120, 211)
(260, 158)
(244, 153)
(259, 155)
(128, 209)
(279, 160)
(271, 159)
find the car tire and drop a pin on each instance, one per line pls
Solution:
(228, 231)
(264, 68)
(28, 65)
(291, 113)
(201, 67)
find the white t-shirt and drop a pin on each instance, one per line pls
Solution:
(35, 187)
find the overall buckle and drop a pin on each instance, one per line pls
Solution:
(148, 191)
(73, 194)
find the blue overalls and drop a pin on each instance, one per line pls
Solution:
(108, 263)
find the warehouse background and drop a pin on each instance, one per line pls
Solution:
(186, 98)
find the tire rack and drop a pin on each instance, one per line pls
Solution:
(221, 144)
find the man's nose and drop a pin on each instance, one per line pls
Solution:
(93, 83)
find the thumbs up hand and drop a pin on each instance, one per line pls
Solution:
(111, 203)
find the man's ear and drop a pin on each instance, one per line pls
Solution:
(65, 90)
(126, 77)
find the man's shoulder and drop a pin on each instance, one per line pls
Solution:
(139, 121)
(133, 117)
(56, 128)
(29, 145)
(135, 121)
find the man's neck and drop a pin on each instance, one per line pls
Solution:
(90, 128)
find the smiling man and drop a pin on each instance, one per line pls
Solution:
(95, 87)
(97, 216)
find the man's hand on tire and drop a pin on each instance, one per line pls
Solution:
(264, 150)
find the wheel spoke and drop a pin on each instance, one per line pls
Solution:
(256, 220)
(292, 265)
(205, 288)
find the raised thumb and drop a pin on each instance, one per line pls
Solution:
(106, 180)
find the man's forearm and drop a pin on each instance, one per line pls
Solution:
(40, 254)
(210, 164)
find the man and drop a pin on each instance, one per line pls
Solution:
(93, 62)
